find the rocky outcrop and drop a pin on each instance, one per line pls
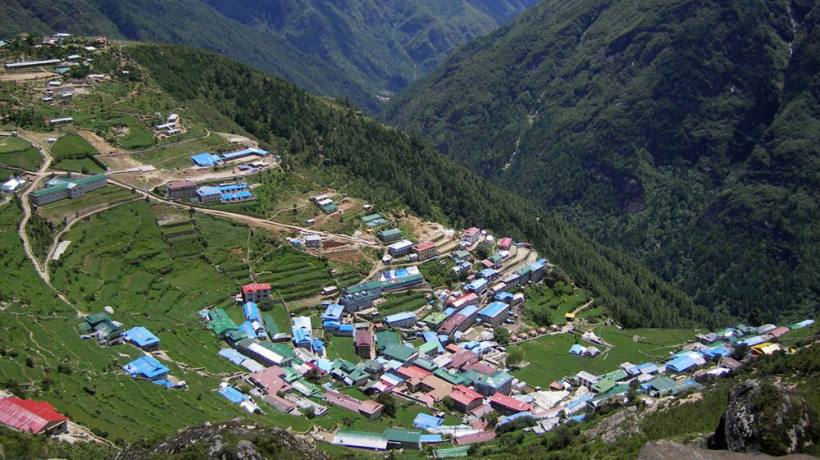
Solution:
(764, 417)
(228, 441)
(665, 450)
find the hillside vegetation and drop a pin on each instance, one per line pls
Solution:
(683, 132)
(383, 165)
(333, 48)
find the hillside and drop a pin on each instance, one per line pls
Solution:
(680, 133)
(329, 49)
(381, 164)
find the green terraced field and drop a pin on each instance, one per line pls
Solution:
(19, 153)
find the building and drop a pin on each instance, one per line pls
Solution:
(29, 416)
(141, 338)
(478, 286)
(208, 194)
(399, 352)
(465, 399)
(61, 189)
(496, 382)
(364, 343)
(389, 235)
(180, 190)
(400, 438)
(371, 409)
(494, 314)
(505, 243)
(29, 64)
(460, 321)
(205, 159)
(15, 183)
(312, 240)
(301, 330)
(471, 235)
(400, 248)
(361, 440)
(425, 250)
(256, 292)
(360, 296)
(403, 319)
(506, 405)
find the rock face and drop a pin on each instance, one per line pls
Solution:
(665, 450)
(764, 417)
(228, 441)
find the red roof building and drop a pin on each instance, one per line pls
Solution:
(363, 342)
(465, 399)
(425, 250)
(409, 372)
(342, 400)
(270, 380)
(507, 405)
(484, 436)
(471, 235)
(505, 243)
(480, 367)
(256, 292)
(370, 408)
(464, 300)
(778, 331)
(462, 358)
(31, 416)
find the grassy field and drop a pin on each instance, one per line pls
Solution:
(178, 155)
(552, 303)
(59, 210)
(342, 347)
(73, 153)
(19, 153)
(396, 303)
(549, 358)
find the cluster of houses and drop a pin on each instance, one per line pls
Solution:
(324, 203)
(224, 193)
(107, 332)
(67, 187)
(171, 127)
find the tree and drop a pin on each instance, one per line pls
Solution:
(515, 356)
(502, 335)
(740, 351)
(389, 402)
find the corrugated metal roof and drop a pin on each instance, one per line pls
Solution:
(28, 415)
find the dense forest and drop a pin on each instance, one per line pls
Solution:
(385, 165)
(682, 132)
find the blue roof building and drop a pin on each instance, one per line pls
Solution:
(477, 286)
(425, 421)
(251, 311)
(648, 368)
(301, 331)
(232, 394)
(141, 337)
(232, 355)
(403, 319)
(752, 341)
(487, 273)
(495, 313)
(146, 367)
(576, 349)
(205, 159)
(503, 296)
(344, 330)
(333, 312)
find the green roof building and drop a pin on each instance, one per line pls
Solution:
(400, 437)
(389, 235)
(402, 353)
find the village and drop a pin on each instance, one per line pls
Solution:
(447, 357)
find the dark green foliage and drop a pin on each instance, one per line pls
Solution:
(20, 445)
(683, 132)
(383, 165)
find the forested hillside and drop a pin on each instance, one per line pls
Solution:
(683, 132)
(384, 165)
(333, 48)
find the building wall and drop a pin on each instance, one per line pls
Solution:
(182, 193)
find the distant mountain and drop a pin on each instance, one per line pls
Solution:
(352, 48)
(683, 131)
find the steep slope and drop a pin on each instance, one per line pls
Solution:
(380, 44)
(680, 132)
(353, 48)
(381, 164)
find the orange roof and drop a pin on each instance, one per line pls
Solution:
(411, 372)
(507, 402)
(423, 246)
(464, 395)
(253, 287)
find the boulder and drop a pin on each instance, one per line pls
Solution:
(764, 417)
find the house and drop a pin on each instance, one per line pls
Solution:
(585, 378)
(360, 296)
(313, 240)
(477, 286)
(471, 235)
(506, 405)
(371, 409)
(434, 319)
(401, 320)
(256, 292)
(424, 421)
(462, 358)
(208, 194)
(464, 300)
(494, 314)
(361, 440)
(180, 190)
(484, 436)
(141, 338)
(12, 185)
(487, 385)
(386, 338)
(342, 400)
(465, 399)
(333, 312)
(267, 353)
(364, 344)
(29, 416)
(401, 353)
(400, 248)
(146, 367)
(460, 321)
(684, 361)
(505, 243)
(661, 386)
(400, 438)
(301, 331)
(389, 235)
(71, 187)
(779, 331)
(425, 250)
(206, 159)
(270, 380)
